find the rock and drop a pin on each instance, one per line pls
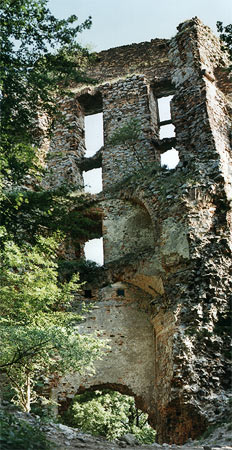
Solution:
(129, 438)
(68, 432)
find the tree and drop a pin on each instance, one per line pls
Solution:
(27, 213)
(38, 335)
(109, 414)
(40, 57)
(226, 37)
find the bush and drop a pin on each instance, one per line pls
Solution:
(16, 434)
(109, 414)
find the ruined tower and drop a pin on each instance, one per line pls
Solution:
(164, 297)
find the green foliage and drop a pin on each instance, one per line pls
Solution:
(226, 37)
(38, 335)
(29, 280)
(17, 159)
(129, 132)
(27, 213)
(18, 434)
(39, 58)
(88, 270)
(109, 414)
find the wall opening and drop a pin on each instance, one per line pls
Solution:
(170, 158)
(167, 129)
(94, 251)
(120, 292)
(108, 413)
(94, 140)
(93, 181)
(88, 293)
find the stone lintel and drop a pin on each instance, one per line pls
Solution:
(93, 162)
(164, 144)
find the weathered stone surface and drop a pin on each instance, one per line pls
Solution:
(129, 438)
(165, 293)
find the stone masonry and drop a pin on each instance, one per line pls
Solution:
(163, 297)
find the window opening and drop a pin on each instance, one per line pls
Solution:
(170, 158)
(94, 251)
(93, 181)
(167, 129)
(88, 293)
(121, 292)
(93, 133)
(164, 108)
(93, 141)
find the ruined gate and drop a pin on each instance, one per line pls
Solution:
(165, 288)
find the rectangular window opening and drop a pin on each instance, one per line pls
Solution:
(94, 251)
(164, 108)
(170, 158)
(167, 129)
(120, 292)
(93, 181)
(94, 136)
(94, 140)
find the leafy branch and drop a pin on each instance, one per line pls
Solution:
(129, 133)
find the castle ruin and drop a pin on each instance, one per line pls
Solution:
(165, 290)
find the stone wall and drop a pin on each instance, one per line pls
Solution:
(128, 363)
(123, 101)
(164, 293)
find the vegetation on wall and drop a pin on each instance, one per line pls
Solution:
(27, 213)
(128, 134)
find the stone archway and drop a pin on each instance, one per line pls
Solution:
(121, 388)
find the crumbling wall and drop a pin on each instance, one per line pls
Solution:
(128, 361)
(166, 233)
(66, 147)
(125, 100)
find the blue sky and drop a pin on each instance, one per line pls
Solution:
(120, 22)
